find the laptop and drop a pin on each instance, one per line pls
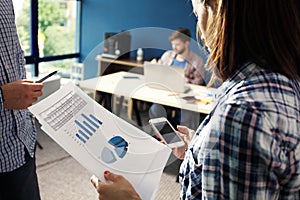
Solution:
(165, 77)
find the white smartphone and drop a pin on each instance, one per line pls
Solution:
(167, 133)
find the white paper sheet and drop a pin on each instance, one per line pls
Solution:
(100, 140)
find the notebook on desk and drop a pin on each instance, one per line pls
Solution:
(165, 77)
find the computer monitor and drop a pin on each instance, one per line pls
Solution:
(117, 45)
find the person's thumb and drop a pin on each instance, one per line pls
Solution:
(95, 181)
(183, 129)
(111, 176)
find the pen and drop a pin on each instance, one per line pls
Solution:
(48, 76)
(133, 77)
(172, 94)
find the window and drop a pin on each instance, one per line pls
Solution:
(49, 37)
(23, 19)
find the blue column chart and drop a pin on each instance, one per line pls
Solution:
(100, 140)
(87, 127)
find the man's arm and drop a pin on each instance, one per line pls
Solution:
(195, 71)
(20, 94)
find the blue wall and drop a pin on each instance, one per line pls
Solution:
(149, 21)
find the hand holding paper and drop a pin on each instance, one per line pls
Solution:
(100, 140)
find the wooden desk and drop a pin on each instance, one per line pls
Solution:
(136, 89)
(110, 65)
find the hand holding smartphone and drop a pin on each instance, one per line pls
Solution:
(166, 132)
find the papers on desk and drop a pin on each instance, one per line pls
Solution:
(100, 140)
(199, 96)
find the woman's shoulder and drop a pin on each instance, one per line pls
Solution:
(255, 86)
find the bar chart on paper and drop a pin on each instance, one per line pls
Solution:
(84, 127)
(100, 140)
(87, 127)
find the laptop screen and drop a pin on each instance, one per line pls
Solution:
(164, 77)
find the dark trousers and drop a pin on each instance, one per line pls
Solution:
(20, 184)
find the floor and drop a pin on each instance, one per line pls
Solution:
(63, 178)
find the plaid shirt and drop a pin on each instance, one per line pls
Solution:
(16, 126)
(248, 147)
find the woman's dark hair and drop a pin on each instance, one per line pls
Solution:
(266, 32)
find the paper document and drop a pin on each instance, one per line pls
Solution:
(100, 140)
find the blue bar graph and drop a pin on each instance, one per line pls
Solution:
(83, 134)
(80, 138)
(97, 120)
(87, 126)
(89, 120)
(84, 128)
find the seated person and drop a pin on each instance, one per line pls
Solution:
(181, 56)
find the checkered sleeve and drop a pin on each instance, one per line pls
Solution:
(246, 160)
(239, 157)
(17, 130)
(248, 147)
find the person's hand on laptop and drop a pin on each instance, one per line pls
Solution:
(154, 60)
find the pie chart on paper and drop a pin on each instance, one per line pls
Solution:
(120, 147)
